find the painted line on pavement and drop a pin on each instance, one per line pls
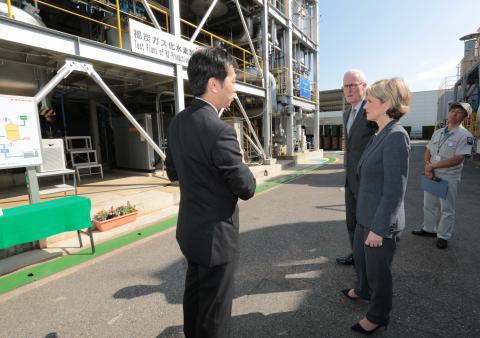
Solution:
(42, 270)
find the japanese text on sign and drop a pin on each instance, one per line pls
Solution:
(153, 42)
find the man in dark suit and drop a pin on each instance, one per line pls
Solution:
(357, 131)
(204, 155)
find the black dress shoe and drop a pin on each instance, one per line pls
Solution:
(347, 260)
(358, 328)
(345, 293)
(442, 243)
(422, 232)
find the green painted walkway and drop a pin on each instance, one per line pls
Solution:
(42, 270)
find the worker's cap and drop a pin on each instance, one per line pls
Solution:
(464, 105)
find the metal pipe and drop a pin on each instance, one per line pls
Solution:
(150, 14)
(64, 116)
(316, 77)
(254, 145)
(119, 26)
(160, 123)
(268, 79)
(61, 74)
(250, 127)
(257, 63)
(204, 19)
(9, 6)
(125, 112)
(215, 36)
(244, 68)
(32, 184)
(174, 6)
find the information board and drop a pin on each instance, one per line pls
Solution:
(305, 88)
(19, 132)
(150, 41)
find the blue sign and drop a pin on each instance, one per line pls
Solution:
(305, 88)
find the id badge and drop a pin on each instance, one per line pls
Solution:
(436, 158)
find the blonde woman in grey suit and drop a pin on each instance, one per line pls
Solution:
(380, 213)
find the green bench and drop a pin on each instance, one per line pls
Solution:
(32, 222)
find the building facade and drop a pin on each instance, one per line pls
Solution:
(114, 70)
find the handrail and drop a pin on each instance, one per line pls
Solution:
(74, 13)
(242, 55)
(216, 37)
(280, 72)
(242, 61)
(9, 6)
(119, 24)
(164, 12)
(296, 21)
(108, 5)
(278, 5)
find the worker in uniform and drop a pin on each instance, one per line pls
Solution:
(444, 158)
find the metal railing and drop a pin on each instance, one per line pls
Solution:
(281, 77)
(243, 57)
(301, 18)
(279, 5)
(296, 88)
(9, 6)
(283, 85)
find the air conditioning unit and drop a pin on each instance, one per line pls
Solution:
(53, 155)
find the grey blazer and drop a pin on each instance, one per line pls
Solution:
(355, 143)
(383, 173)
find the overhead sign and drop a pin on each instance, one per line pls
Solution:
(305, 88)
(19, 132)
(150, 41)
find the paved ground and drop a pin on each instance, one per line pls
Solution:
(287, 282)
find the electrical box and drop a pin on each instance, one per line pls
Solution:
(132, 151)
(53, 155)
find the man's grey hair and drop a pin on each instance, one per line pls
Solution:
(357, 73)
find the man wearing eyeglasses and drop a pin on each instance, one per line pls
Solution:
(357, 133)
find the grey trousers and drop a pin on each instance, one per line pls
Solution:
(435, 207)
(350, 209)
(374, 278)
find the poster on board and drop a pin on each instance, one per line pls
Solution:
(19, 132)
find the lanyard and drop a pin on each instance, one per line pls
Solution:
(442, 141)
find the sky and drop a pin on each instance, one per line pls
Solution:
(417, 40)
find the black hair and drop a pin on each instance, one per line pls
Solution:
(206, 63)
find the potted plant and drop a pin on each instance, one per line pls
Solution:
(107, 219)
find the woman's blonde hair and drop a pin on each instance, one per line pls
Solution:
(394, 91)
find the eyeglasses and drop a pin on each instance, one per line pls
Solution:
(351, 85)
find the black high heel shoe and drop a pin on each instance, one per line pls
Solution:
(346, 291)
(358, 328)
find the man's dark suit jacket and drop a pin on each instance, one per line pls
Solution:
(355, 142)
(203, 154)
(383, 172)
